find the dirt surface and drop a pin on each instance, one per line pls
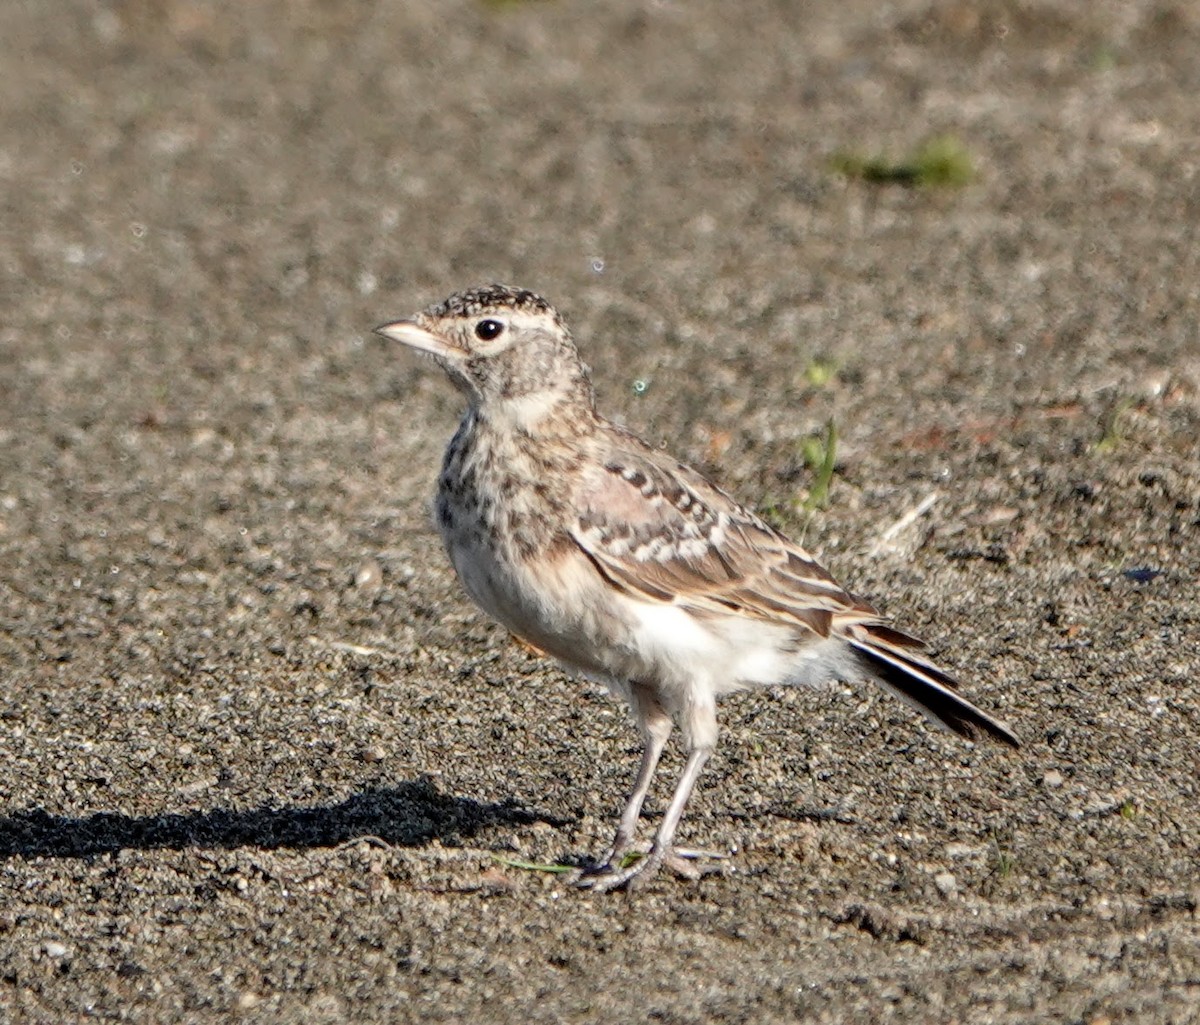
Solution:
(258, 756)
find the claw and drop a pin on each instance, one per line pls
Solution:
(612, 877)
(606, 876)
(682, 867)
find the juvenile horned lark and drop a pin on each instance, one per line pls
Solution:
(629, 567)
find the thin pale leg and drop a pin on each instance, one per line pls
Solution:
(656, 733)
(661, 851)
(655, 726)
(699, 723)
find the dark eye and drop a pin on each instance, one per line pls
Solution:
(486, 330)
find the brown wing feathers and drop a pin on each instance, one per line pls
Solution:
(714, 556)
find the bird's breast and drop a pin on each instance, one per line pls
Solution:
(501, 496)
(500, 510)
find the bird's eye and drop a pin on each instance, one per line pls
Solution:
(486, 330)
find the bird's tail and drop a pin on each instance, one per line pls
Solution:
(891, 658)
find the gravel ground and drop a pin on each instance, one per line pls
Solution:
(260, 760)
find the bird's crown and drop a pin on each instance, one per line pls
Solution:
(484, 299)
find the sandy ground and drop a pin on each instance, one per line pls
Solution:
(259, 759)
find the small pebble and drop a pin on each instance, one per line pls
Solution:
(946, 883)
(54, 949)
(1053, 778)
(369, 577)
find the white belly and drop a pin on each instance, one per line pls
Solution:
(570, 612)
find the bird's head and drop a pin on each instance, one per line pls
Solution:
(503, 347)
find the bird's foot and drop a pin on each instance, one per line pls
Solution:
(631, 870)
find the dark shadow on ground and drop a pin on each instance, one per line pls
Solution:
(408, 815)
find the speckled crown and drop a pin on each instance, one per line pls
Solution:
(492, 299)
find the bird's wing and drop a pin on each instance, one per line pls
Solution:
(658, 529)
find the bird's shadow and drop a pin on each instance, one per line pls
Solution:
(411, 814)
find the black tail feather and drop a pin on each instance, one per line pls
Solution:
(929, 690)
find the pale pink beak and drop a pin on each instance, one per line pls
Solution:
(410, 333)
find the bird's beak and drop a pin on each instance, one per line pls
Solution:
(410, 333)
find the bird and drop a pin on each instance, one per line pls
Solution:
(632, 569)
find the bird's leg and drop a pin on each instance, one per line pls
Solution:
(655, 726)
(701, 726)
(661, 851)
(656, 732)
